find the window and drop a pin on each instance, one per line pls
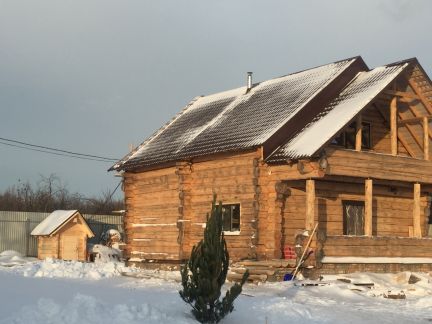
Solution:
(231, 217)
(347, 137)
(353, 217)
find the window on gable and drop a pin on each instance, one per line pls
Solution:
(347, 137)
(231, 217)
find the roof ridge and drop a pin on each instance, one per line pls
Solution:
(353, 58)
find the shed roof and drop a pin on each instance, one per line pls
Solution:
(55, 221)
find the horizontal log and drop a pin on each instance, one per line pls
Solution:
(377, 251)
(379, 240)
(278, 263)
(253, 277)
(379, 166)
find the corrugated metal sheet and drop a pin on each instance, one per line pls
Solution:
(15, 229)
(233, 120)
(338, 113)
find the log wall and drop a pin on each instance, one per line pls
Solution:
(233, 180)
(378, 166)
(167, 208)
(48, 247)
(152, 204)
(358, 246)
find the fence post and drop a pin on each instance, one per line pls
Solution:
(27, 226)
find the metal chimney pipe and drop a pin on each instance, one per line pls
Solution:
(249, 81)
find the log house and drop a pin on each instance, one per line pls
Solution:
(341, 144)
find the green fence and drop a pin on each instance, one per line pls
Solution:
(15, 229)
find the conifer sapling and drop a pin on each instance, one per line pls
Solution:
(205, 273)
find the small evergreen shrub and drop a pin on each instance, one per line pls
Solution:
(205, 273)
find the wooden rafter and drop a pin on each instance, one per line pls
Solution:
(402, 94)
(414, 135)
(387, 97)
(414, 112)
(422, 98)
(410, 128)
(414, 120)
(401, 139)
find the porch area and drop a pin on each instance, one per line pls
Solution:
(344, 254)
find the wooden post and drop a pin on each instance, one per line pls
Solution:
(358, 139)
(416, 211)
(393, 125)
(368, 207)
(426, 138)
(310, 204)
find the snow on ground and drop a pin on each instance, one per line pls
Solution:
(54, 291)
(52, 268)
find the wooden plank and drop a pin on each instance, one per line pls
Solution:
(423, 99)
(402, 94)
(368, 207)
(426, 138)
(404, 143)
(416, 211)
(380, 166)
(393, 125)
(358, 139)
(310, 204)
(413, 120)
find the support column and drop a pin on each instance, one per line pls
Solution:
(425, 138)
(310, 205)
(393, 126)
(416, 211)
(368, 207)
(358, 139)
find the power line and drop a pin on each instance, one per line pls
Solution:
(112, 194)
(55, 151)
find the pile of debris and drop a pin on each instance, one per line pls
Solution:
(110, 248)
(261, 271)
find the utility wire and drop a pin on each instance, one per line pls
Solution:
(112, 194)
(55, 151)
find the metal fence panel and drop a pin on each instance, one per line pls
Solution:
(15, 229)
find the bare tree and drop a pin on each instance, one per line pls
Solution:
(51, 193)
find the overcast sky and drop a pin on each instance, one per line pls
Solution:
(95, 76)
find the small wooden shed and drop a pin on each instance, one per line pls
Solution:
(63, 235)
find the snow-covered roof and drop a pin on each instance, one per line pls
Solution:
(54, 220)
(234, 120)
(291, 117)
(339, 112)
